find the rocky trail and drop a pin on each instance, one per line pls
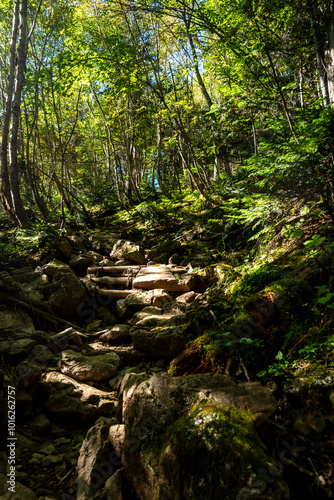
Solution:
(86, 342)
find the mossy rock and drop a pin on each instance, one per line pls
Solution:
(212, 452)
(289, 295)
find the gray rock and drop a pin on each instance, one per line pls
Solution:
(208, 418)
(94, 368)
(126, 250)
(187, 297)
(163, 277)
(77, 242)
(116, 437)
(144, 313)
(69, 295)
(140, 299)
(94, 464)
(55, 266)
(65, 247)
(90, 286)
(113, 486)
(117, 332)
(174, 308)
(123, 311)
(162, 337)
(16, 320)
(83, 259)
(74, 400)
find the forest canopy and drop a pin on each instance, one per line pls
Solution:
(106, 103)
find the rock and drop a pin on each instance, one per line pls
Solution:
(21, 348)
(69, 295)
(65, 247)
(113, 487)
(116, 437)
(95, 463)
(90, 286)
(41, 423)
(162, 251)
(96, 256)
(187, 297)
(123, 311)
(8, 284)
(27, 373)
(61, 340)
(21, 492)
(99, 241)
(154, 277)
(77, 242)
(83, 259)
(128, 386)
(126, 250)
(162, 337)
(56, 266)
(174, 308)
(209, 418)
(16, 320)
(175, 259)
(70, 399)
(139, 300)
(117, 332)
(42, 356)
(52, 460)
(144, 313)
(93, 368)
(47, 449)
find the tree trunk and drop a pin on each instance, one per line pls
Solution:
(330, 60)
(5, 184)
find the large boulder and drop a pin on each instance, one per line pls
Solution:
(70, 399)
(194, 437)
(16, 320)
(126, 250)
(92, 368)
(163, 336)
(96, 461)
(69, 295)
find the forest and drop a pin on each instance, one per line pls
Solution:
(166, 249)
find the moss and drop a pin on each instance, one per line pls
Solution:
(211, 452)
(290, 295)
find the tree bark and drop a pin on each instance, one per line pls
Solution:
(5, 184)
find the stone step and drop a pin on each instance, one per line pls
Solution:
(163, 277)
(113, 270)
(108, 280)
(115, 294)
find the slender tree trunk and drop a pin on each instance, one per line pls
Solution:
(5, 184)
(319, 52)
(330, 59)
(19, 210)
